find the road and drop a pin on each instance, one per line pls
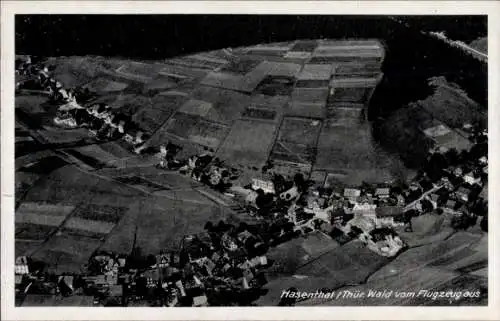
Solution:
(410, 205)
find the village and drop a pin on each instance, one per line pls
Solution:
(227, 263)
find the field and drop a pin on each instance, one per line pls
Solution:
(285, 69)
(248, 143)
(418, 257)
(276, 85)
(310, 96)
(159, 223)
(358, 95)
(316, 72)
(66, 253)
(312, 83)
(299, 131)
(105, 85)
(305, 45)
(192, 128)
(336, 267)
(226, 105)
(412, 282)
(427, 229)
(241, 66)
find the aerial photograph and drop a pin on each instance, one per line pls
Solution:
(251, 160)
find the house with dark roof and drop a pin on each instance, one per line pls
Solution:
(388, 215)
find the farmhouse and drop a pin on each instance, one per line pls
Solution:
(389, 215)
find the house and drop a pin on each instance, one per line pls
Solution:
(18, 279)
(290, 194)
(451, 207)
(65, 283)
(471, 179)
(116, 290)
(385, 215)
(243, 236)
(266, 186)
(180, 286)
(200, 301)
(152, 277)
(364, 209)
(463, 194)
(102, 280)
(352, 193)
(382, 192)
(162, 260)
(21, 265)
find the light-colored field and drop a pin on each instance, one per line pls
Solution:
(298, 109)
(310, 96)
(248, 143)
(159, 223)
(66, 253)
(226, 105)
(284, 69)
(316, 71)
(339, 82)
(99, 227)
(196, 107)
(299, 131)
(222, 80)
(37, 218)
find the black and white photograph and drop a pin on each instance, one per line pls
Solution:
(250, 160)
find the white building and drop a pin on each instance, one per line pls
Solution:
(266, 186)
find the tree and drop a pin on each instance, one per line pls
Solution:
(484, 224)
(460, 222)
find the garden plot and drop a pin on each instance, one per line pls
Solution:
(66, 253)
(248, 143)
(96, 227)
(241, 66)
(285, 69)
(105, 85)
(344, 115)
(42, 214)
(304, 46)
(337, 59)
(138, 71)
(190, 62)
(159, 223)
(316, 72)
(266, 108)
(296, 140)
(191, 128)
(358, 69)
(357, 82)
(348, 51)
(310, 96)
(223, 80)
(352, 149)
(276, 86)
(225, 105)
(368, 43)
(357, 95)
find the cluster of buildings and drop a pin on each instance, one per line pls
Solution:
(450, 183)
(100, 119)
(225, 265)
(221, 266)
